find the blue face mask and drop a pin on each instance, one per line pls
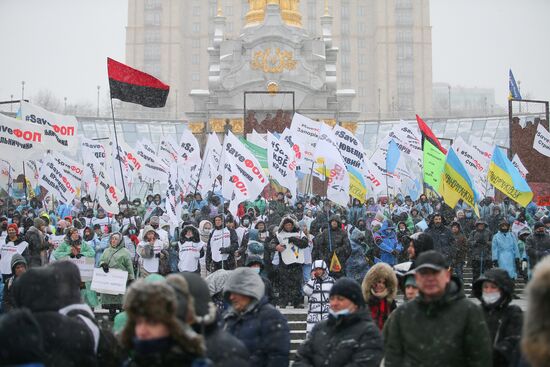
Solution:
(256, 270)
(338, 314)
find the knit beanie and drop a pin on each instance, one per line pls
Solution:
(349, 289)
(39, 223)
(538, 225)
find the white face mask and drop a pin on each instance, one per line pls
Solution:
(337, 314)
(490, 298)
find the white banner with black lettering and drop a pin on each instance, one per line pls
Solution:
(306, 133)
(211, 164)
(153, 168)
(350, 147)
(541, 143)
(59, 183)
(59, 131)
(281, 163)
(519, 165)
(108, 196)
(20, 140)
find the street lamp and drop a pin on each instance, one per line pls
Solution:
(11, 104)
(65, 110)
(449, 101)
(22, 90)
(379, 111)
(97, 113)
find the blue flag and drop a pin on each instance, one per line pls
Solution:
(513, 87)
(392, 157)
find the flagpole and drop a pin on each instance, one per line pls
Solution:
(118, 153)
(25, 182)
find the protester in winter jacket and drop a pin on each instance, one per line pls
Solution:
(419, 242)
(495, 219)
(348, 337)
(289, 243)
(461, 251)
(536, 335)
(379, 291)
(12, 245)
(115, 257)
(190, 249)
(222, 348)
(495, 290)
(440, 327)
(36, 253)
(251, 319)
(256, 263)
(153, 334)
(93, 241)
(333, 247)
(22, 340)
(18, 268)
(505, 251)
(442, 237)
(537, 245)
(317, 290)
(68, 341)
(221, 247)
(73, 246)
(479, 243)
(356, 212)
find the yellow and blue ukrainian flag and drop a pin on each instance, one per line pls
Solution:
(357, 184)
(456, 183)
(505, 177)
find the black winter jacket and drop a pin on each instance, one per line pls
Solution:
(351, 340)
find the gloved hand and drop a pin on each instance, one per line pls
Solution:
(495, 264)
(105, 268)
(71, 256)
(224, 250)
(293, 240)
(524, 265)
(157, 255)
(78, 256)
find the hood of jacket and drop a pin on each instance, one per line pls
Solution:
(120, 242)
(291, 219)
(15, 260)
(502, 280)
(245, 281)
(380, 271)
(146, 230)
(194, 230)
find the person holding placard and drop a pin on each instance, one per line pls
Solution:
(150, 250)
(13, 244)
(116, 256)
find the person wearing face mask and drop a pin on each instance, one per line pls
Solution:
(495, 290)
(537, 244)
(256, 263)
(505, 251)
(379, 291)
(190, 250)
(348, 337)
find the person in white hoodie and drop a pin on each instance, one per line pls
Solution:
(149, 250)
(190, 250)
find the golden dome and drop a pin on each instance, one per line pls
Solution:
(290, 12)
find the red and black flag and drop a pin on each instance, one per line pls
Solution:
(134, 86)
(427, 134)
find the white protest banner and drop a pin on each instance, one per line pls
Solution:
(20, 140)
(86, 266)
(108, 196)
(408, 135)
(70, 167)
(484, 149)
(153, 168)
(305, 131)
(95, 149)
(350, 147)
(112, 282)
(257, 139)
(331, 163)
(59, 131)
(55, 241)
(90, 175)
(6, 174)
(54, 179)
(249, 176)
(32, 172)
(475, 163)
(7, 250)
(168, 151)
(211, 164)
(281, 162)
(375, 179)
(519, 165)
(189, 148)
(541, 143)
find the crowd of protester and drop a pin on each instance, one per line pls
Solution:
(208, 290)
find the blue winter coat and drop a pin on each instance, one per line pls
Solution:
(386, 239)
(356, 266)
(265, 333)
(505, 250)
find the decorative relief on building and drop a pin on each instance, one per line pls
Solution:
(330, 122)
(196, 127)
(216, 125)
(273, 62)
(350, 125)
(237, 125)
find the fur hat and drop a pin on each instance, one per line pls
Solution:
(380, 271)
(536, 331)
(39, 223)
(158, 301)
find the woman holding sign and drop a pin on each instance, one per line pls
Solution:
(116, 256)
(13, 244)
(74, 249)
(150, 252)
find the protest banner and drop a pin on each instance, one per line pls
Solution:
(7, 250)
(86, 266)
(20, 140)
(113, 282)
(54, 179)
(541, 143)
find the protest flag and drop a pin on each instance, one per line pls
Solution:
(134, 86)
(507, 179)
(513, 87)
(427, 134)
(392, 156)
(456, 183)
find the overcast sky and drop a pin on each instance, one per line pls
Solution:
(62, 45)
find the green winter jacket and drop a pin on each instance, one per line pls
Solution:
(64, 250)
(116, 258)
(449, 332)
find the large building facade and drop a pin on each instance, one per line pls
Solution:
(384, 49)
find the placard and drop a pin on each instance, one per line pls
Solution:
(85, 265)
(113, 282)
